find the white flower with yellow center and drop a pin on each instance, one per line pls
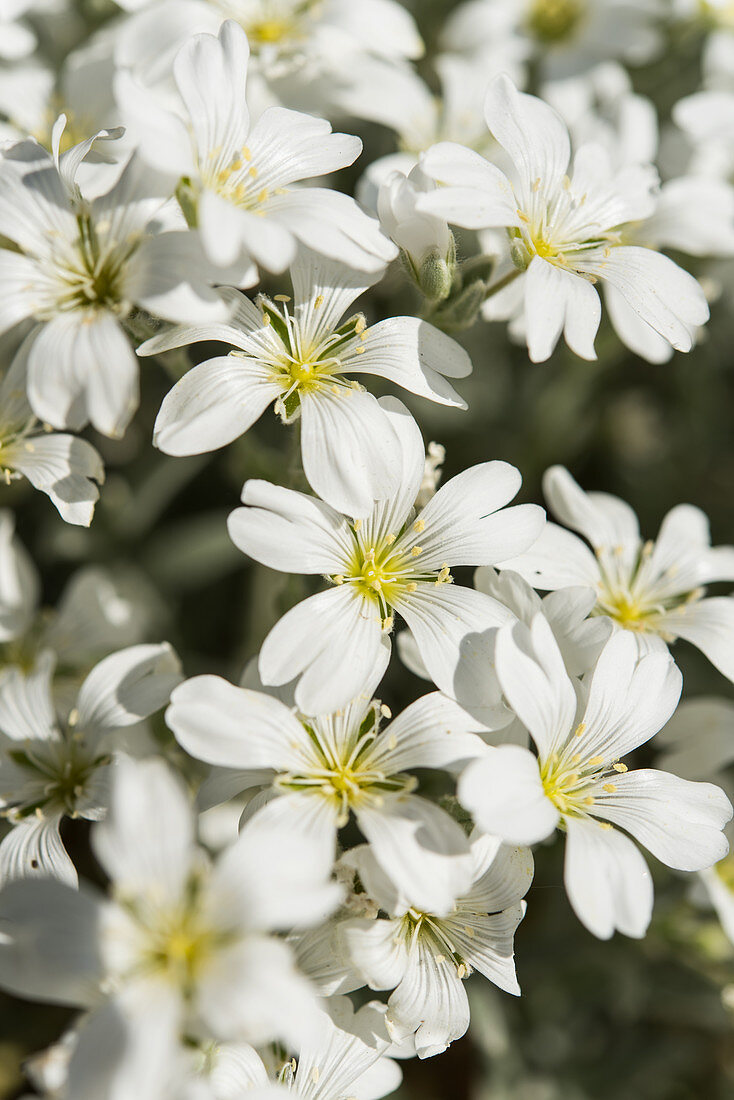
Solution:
(298, 357)
(316, 771)
(79, 268)
(392, 561)
(579, 783)
(181, 947)
(424, 955)
(52, 768)
(237, 178)
(302, 50)
(565, 225)
(656, 590)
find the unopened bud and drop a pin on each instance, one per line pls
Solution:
(435, 276)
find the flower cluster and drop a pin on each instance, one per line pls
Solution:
(198, 199)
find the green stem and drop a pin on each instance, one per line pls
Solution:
(502, 283)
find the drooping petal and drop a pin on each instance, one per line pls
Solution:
(504, 793)
(420, 848)
(486, 942)
(559, 301)
(473, 193)
(212, 405)
(607, 880)
(502, 874)
(677, 820)
(81, 367)
(351, 453)
(126, 687)
(63, 467)
(333, 641)
(430, 1001)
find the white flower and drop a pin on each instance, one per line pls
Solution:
(17, 40)
(19, 585)
(240, 177)
(182, 946)
(563, 35)
(654, 589)
(391, 561)
(62, 466)
(425, 957)
(297, 358)
(78, 269)
(565, 233)
(315, 771)
(49, 768)
(342, 1059)
(578, 781)
(301, 51)
(426, 242)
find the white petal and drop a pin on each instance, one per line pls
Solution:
(452, 628)
(332, 223)
(430, 1002)
(288, 146)
(161, 137)
(63, 467)
(502, 874)
(486, 942)
(559, 301)
(169, 277)
(232, 727)
(142, 861)
(351, 453)
(211, 74)
(534, 680)
(680, 822)
(531, 132)
(633, 331)
(629, 699)
(20, 288)
(126, 687)
(504, 793)
(607, 880)
(19, 585)
(49, 949)
(211, 405)
(26, 708)
(334, 641)
(663, 294)
(464, 524)
(290, 531)
(431, 733)
(33, 849)
(605, 520)
(708, 624)
(414, 355)
(556, 560)
(422, 849)
(81, 367)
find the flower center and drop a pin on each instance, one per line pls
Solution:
(339, 766)
(568, 778)
(90, 275)
(719, 13)
(635, 597)
(555, 20)
(385, 568)
(417, 924)
(57, 775)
